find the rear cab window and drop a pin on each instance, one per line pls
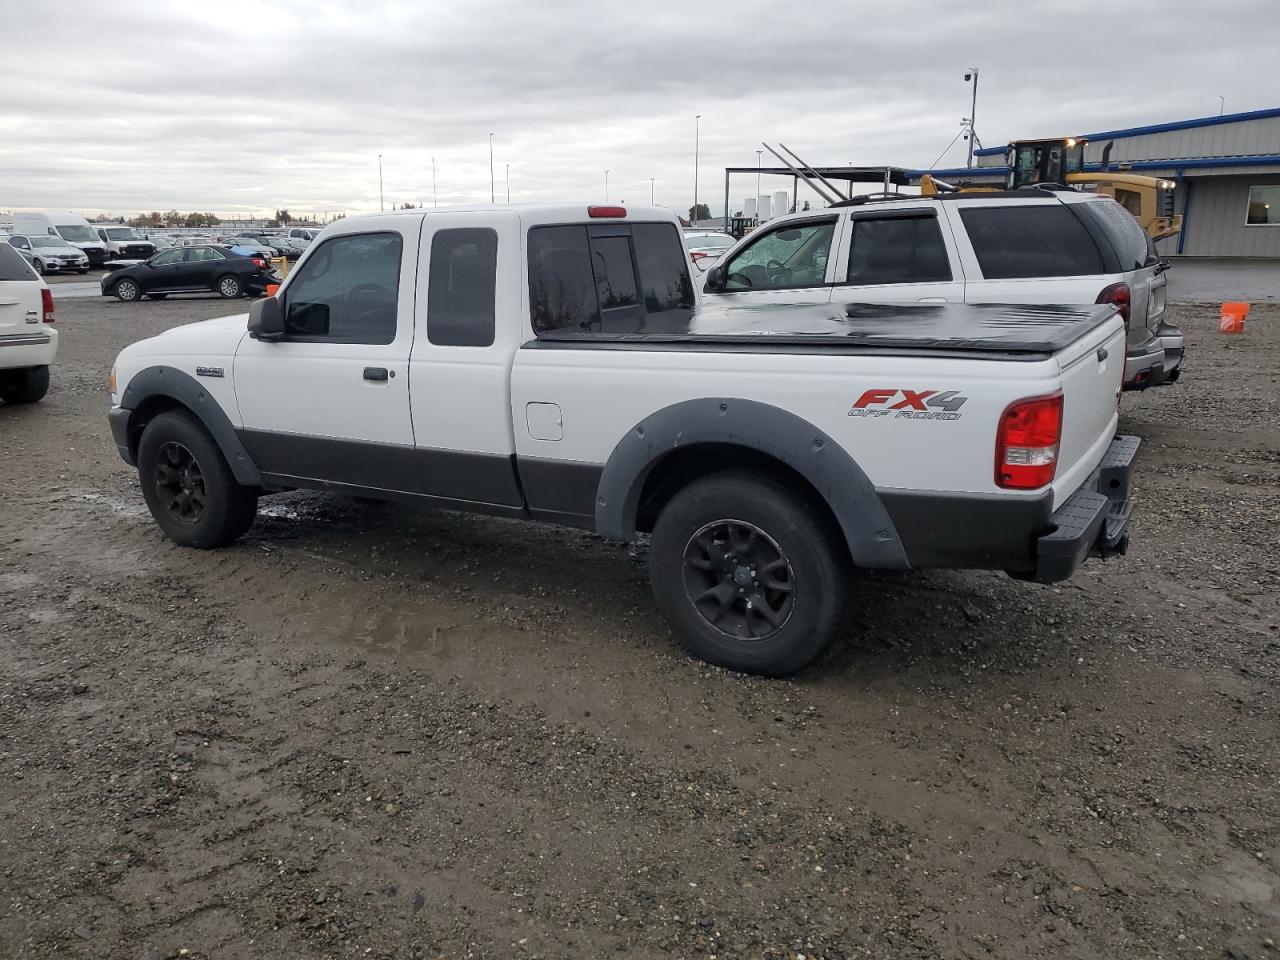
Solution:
(611, 278)
(1031, 240)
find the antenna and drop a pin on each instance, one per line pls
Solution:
(830, 186)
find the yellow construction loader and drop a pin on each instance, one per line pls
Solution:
(1061, 161)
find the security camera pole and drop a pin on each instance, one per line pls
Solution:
(973, 109)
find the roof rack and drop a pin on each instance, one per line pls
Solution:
(874, 198)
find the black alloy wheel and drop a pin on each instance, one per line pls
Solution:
(739, 580)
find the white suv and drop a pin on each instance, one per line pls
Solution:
(1021, 246)
(28, 341)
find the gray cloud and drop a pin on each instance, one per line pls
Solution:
(244, 107)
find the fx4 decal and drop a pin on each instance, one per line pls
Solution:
(903, 404)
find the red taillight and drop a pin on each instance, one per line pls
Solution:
(46, 304)
(1119, 295)
(697, 255)
(606, 211)
(260, 263)
(1027, 443)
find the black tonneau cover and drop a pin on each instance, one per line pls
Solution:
(988, 328)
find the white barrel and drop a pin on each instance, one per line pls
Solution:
(749, 208)
(766, 209)
(780, 202)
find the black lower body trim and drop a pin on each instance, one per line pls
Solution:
(976, 531)
(561, 491)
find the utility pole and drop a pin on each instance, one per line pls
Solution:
(606, 186)
(759, 155)
(973, 110)
(508, 183)
(651, 191)
(492, 197)
(381, 205)
(697, 132)
(1221, 104)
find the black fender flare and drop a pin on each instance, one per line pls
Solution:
(872, 538)
(185, 389)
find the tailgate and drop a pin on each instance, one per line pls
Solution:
(1092, 370)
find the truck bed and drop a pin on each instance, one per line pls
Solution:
(1032, 332)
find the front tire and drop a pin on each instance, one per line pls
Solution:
(188, 485)
(749, 574)
(24, 386)
(128, 290)
(39, 265)
(82, 270)
(229, 287)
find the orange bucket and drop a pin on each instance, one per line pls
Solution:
(1233, 315)
(273, 287)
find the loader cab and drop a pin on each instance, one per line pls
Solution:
(1033, 162)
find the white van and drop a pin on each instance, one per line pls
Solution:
(71, 227)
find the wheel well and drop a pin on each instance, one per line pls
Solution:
(683, 466)
(147, 411)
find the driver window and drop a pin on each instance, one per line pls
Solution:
(347, 291)
(785, 258)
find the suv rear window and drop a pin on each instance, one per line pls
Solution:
(13, 266)
(1031, 240)
(608, 278)
(1127, 238)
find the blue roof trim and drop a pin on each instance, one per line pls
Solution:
(1258, 160)
(1162, 127)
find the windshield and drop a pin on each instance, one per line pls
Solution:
(47, 242)
(123, 233)
(77, 234)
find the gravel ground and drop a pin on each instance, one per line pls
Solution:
(374, 731)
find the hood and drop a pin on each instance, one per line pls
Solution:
(218, 336)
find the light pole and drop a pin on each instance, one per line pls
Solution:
(973, 109)
(759, 154)
(651, 191)
(381, 205)
(492, 197)
(1221, 104)
(606, 186)
(435, 200)
(697, 134)
(508, 183)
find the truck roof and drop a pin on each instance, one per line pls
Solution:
(986, 328)
(560, 212)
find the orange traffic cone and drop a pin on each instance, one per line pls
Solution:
(1233, 315)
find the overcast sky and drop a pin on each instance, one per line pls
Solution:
(238, 107)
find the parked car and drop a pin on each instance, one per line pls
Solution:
(28, 338)
(161, 242)
(256, 254)
(200, 241)
(285, 247)
(767, 449)
(50, 254)
(706, 246)
(1022, 246)
(124, 243)
(303, 235)
(194, 269)
(253, 243)
(71, 227)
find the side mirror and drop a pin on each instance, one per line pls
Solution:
(715, 279)
(266, 320)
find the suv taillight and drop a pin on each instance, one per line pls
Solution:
(1118, 294)
(46, 305)
(1027, 443)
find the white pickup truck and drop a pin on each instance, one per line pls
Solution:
(551, 362)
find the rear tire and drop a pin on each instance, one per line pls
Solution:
(188, 485)
(749, 574)
(24, 386)
(127, 290)
(229, 287)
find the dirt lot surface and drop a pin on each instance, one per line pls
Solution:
(373, 731)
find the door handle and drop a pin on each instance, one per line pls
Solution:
(1102, 354)
(377, 374)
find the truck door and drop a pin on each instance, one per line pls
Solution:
(897, 256)
(330, 401)
(469, 314)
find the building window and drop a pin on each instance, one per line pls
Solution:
(1264, 207)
